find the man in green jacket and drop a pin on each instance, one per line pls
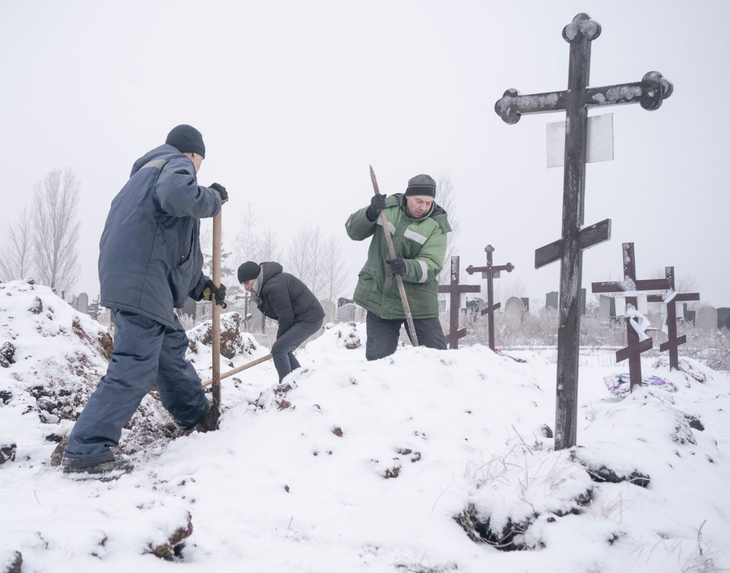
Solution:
(418, 226)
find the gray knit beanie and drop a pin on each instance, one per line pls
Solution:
(421, 185)
(186, 139)
(247, 271)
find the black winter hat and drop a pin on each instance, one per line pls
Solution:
(186, 139)
(247, 271)
(421, 185)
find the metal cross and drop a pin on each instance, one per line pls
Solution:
(673, 341)
(575, 101)
(631, 287)
(454, 289)
(490, 272)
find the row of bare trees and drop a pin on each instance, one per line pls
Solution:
(317, 260)
(42, 243)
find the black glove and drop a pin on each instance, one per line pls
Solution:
(221, 191)
(377, 204)
(397, 266)
(219, 292)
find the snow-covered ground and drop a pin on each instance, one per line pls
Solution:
(422, 462)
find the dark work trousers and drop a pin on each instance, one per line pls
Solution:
(146, 353)
(283, 349)
(383, 334)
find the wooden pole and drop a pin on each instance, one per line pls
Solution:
(239, 369)
(398, 278)
(216, 380)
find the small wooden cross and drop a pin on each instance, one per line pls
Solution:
(490, 272)
(575, 101)
(673, 341)
(454, 290)
(631, 287)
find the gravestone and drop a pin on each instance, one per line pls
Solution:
(342, 301)
(257, 322)
(551, 300)
(346, 313)
(723, 318)
(329, 310)
(606, 308)
(689, 315)
(82, 303)
(190, 308)
(526, 301)
(707, 318)
(514, 308)
(475, 305)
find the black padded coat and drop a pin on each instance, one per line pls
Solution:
(285, 298)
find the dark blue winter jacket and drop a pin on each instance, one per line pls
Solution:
(150, 259)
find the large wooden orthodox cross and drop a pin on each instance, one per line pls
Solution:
(454, 289)
(637, 341)
(575, 101)
(490, 272)
(673, 341)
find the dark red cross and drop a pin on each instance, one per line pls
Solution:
(673, 341)
(454, 290)
(490, 272)
(631, 285)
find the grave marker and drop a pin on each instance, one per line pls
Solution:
(636, 323)
(490, 272)
(673, 342)
(575, 101)
(329, 310)
(454, 290)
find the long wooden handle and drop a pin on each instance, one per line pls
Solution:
(239, 369)
(216, 380)
(398, 278)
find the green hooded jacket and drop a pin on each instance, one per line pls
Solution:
(421, 243)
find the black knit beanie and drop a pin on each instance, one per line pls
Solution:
(421, 185)
(186, 139)
(247, 271)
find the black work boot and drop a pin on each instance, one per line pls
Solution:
(209, 421)
(102, 465)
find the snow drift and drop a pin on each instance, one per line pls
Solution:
(426, 461)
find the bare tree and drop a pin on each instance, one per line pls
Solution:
(56, 221)
(306, 258)
(17, 261)
(335, 268)
(246, 243)
(446, 198)
(316, 261)
(297, 255)
(269, 247)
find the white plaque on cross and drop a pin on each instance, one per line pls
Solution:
(600, 140)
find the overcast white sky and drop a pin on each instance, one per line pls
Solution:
(296, 99)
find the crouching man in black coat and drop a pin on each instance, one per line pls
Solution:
(285, 298)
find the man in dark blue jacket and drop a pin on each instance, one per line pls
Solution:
(285, 298)
(149, 263)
